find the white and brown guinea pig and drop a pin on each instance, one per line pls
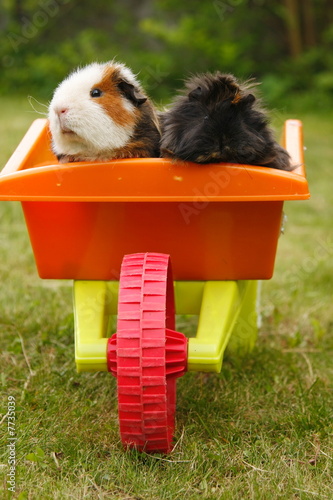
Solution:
(100, 113)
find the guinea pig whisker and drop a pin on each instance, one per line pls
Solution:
(43, 113)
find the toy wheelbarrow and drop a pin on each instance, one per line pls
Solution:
(114, 228)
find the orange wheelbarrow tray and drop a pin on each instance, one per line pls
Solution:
(219, 223)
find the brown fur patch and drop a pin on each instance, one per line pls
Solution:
(134, 149)
(112, 101)
(237, 98)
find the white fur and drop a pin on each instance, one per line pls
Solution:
(126, 72)
(95, 135)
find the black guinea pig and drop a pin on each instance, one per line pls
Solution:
(216, 119)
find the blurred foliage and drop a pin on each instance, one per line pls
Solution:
(287, 44)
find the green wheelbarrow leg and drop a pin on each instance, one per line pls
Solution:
(244, 334)
(225, 307)
(94, 301)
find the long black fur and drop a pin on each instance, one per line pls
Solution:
(216, 119)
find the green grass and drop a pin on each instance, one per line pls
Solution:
(261, 429)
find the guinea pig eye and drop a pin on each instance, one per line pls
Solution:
(96, 93)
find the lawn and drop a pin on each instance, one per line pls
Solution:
(261, 429)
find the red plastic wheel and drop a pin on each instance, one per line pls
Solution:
(146, 354)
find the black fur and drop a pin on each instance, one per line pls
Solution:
(219, 120)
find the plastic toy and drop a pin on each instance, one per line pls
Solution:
(115, 227)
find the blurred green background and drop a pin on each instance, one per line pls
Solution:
(286, 44)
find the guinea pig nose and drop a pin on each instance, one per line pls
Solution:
(61, 111)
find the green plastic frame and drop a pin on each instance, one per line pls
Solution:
(227, 313)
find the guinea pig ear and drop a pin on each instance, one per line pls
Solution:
(131, 93)
(249, 99)
(195, 94)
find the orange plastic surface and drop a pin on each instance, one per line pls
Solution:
(33, 173)
(217, 221)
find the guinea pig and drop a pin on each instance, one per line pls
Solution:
(100, 113)
(216, 119)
